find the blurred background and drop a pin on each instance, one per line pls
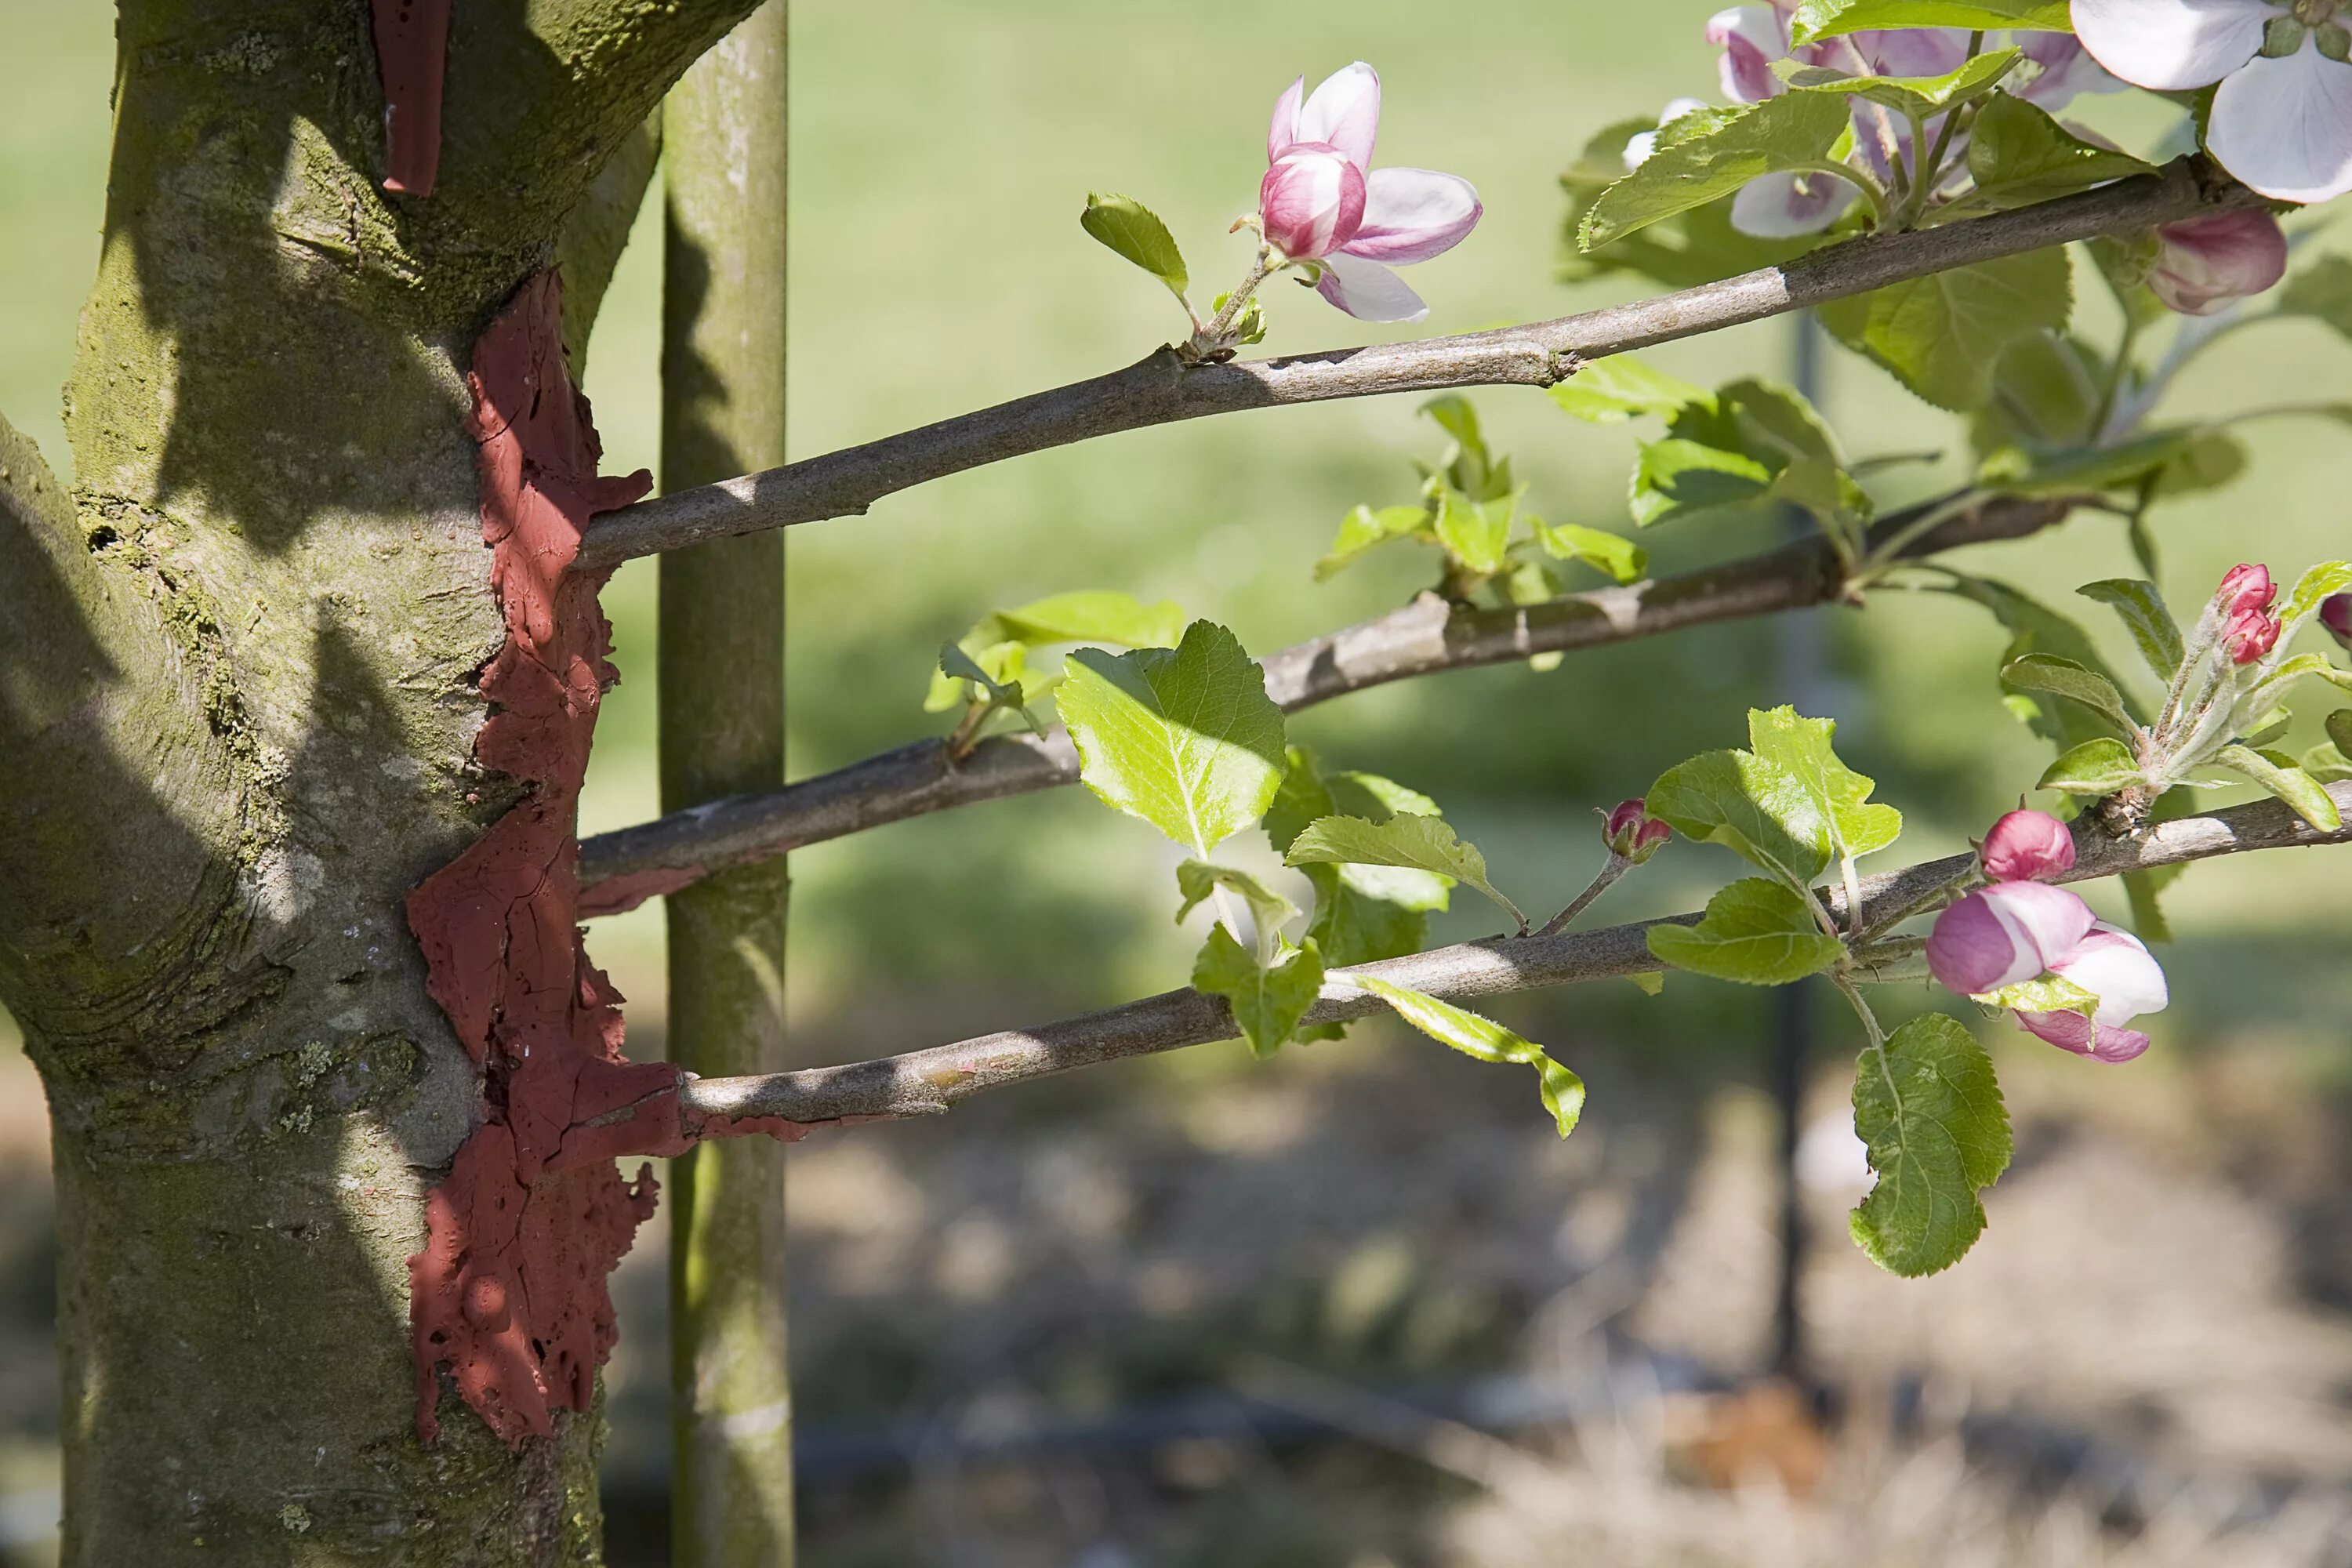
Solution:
(1359, 1306)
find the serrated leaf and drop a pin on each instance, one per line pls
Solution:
(1752, 444)
(1268, 1003)
(1942, 335)
(1096, 616)
(1476, 533)
(1134, 231)
(1623, 560)
(1198, 881)
(1413, 842)
(1473, 1035)
(2277, 773)
(1365, 529)
(2064, 678)
(1756, 933)
(1711, 154)
(1362, 913)
(1184, 738)
(1613, 390)
(1788, 806)
(2018, 155)
(2144, 615)
(1817, 19)
(2098, 767)
(1924, 96)
(1801, 749)
(1928, 1110)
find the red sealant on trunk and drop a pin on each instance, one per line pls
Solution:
(619, 895)
(510, 1293)
(412, 48)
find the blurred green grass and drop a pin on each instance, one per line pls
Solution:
(941, 154)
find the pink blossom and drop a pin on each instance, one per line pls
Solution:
(2027, 846)
(2281, 117)
(2005, 935)
(1633, 834)
(1322, 201)
(2124, 975)
(2244, 589)
(2336, 615)
(2206, 264)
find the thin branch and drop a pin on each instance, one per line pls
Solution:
(926, 1082)
(1160, 391)
(620, 870)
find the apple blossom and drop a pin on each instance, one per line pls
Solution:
(2005, 935)
(1322, 202)
(2027, 846)
(2282, 117)
(2249, 629)
(2336, 615)
(2124, 976)
(2204, 264)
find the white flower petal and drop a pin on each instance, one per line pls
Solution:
(2285, 126)
(1284, 129)
(2170, 45)
(1412, 214)
(1345, 112)
(1367, 290)
(2124, 976)
(1752, 37)
(1782, 206)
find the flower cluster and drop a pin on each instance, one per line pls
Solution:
(2022, 929)
(2281, 116)
(2249, 629)
(1322, 204)
(1754, 37)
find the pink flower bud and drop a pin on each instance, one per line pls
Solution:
(2249, 631)
(2336, 615)
(2027, 846)
(2206, 264)
(2245, 588)
(2004, 935)
(1633, 834)
(1312, 200)
(2250, 637)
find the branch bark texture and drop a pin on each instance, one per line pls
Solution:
(928, 1082)
(619, 870)
(1160, 391)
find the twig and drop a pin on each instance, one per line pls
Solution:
(927, 1082)
(1160, 390)
(619, 870)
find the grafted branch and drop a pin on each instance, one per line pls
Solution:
(927, 1082)
(1160, 391)
(620, 870)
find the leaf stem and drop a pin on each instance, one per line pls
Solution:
(1617, 867)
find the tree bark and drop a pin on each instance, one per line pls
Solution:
(722, 732)
(236, 715)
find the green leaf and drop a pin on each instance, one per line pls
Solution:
(1613, 390)
(1563, 1092)
(1411, 842)
(1924, 96)
(1249, 327)
(2339, 730)
(1817, 19)
(1364, 529)
(1362, 913)
(1620, 557)
(1095, 615)
(2311, 590)
(2098, 767)
(2064, 678)
(1927, 1108)
(2278, 774)
(2036, 628)
(1752, 444)
(1267, 1004)
(2322, 291)
(1184, 738)
(2153, 630)
(1476, 533)
(2047, 994)
(2018, 154)
(1788, 806)
(2148, 460)
(1756, 933)
(1942, 335)
(1198, 879)
(961, 667)
(1710, 154)
(1128, 227)
(1693, 247)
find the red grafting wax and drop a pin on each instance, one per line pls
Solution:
(412, 47)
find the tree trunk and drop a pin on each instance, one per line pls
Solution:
(237, 713)
(722, 732)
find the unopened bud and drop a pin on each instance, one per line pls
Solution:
(2027, 846)
(1633, 835)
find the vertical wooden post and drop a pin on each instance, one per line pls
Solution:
(722, 732)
